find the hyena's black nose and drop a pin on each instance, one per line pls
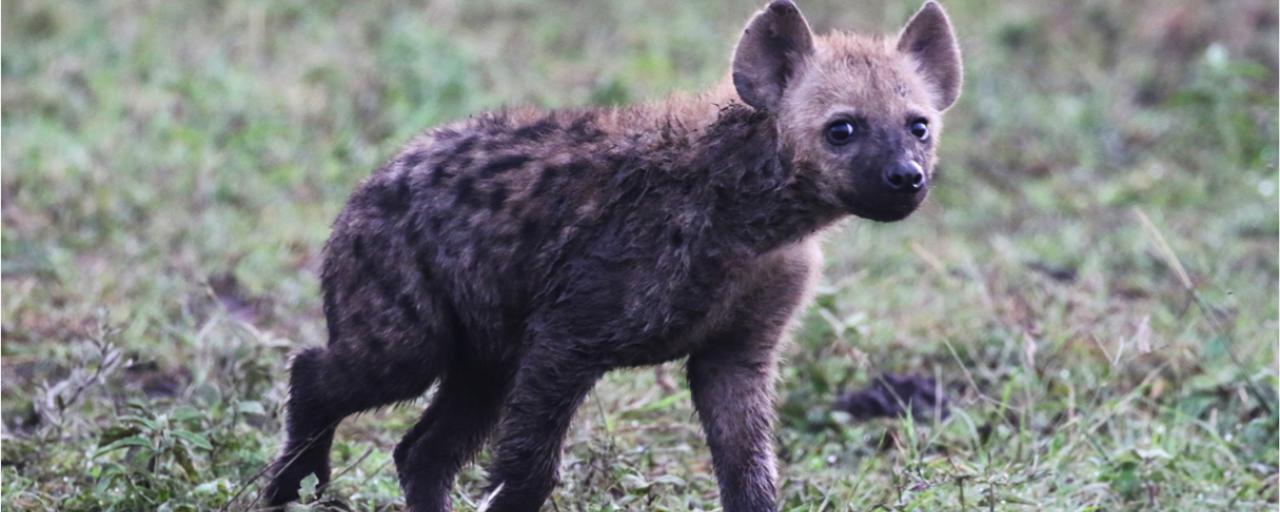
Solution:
(904, 177)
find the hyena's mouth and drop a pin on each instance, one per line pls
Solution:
(887, 192)
(882, 206)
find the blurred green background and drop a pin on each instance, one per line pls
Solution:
(1094, 278)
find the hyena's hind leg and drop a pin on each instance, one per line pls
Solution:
(325, 386)
(309, 428)
(390, 339)
(460, 418)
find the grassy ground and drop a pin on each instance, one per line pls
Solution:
(1095, 278)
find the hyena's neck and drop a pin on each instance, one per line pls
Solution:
(761, 201)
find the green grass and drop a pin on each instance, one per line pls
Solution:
(170, 170)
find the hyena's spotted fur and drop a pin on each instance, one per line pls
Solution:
(516, 257)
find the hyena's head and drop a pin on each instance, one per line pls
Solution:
(863, 114)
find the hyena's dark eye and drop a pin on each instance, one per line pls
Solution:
(920, 128)
(840, 132)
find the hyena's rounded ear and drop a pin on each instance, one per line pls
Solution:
(929, 40)
(772, 46)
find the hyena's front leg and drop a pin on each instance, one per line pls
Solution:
(732, 386)
(549, 386)
(732, 380)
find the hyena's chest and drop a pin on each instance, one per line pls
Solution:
(764, 290)
(690, 312)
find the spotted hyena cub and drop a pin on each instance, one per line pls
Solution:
(516, 257)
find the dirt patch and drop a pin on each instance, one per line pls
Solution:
(891, 396)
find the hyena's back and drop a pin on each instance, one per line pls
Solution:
(456, 229)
